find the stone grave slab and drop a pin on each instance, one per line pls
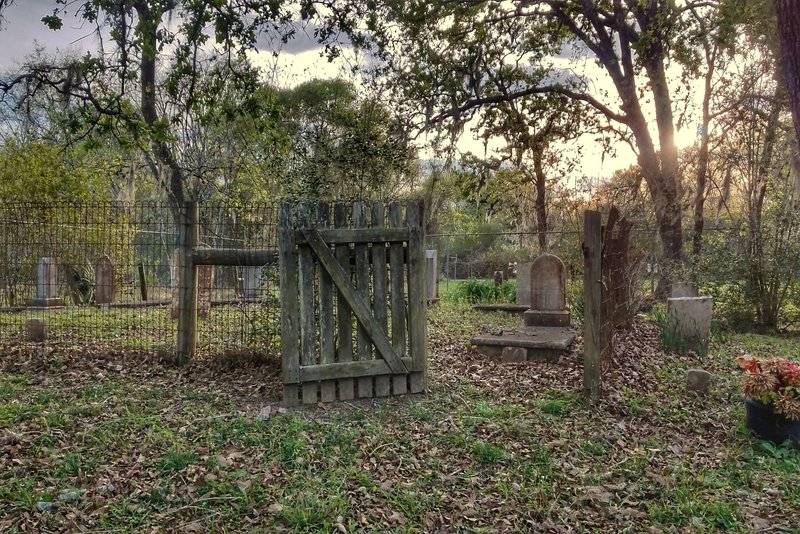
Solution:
(526, 343)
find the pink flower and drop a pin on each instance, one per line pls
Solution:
(791, 374)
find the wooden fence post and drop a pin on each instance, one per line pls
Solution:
(417, 301)
(592, 298)
(290, 306)
(189, 236)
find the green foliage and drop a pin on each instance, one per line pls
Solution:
(343, 146)
(476, 291)
(44, 172)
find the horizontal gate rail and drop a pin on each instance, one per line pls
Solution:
(358, 235)
(234, 257)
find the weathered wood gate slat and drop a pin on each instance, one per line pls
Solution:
(361, 268)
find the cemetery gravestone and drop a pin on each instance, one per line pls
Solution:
(524, 283)
(548, 293)
(498, 278)
(431, 274)
(104, 281)
(251, 282)
(689, 320)
(36, 330)
(46, 283)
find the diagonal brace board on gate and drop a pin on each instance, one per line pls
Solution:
(356, 302)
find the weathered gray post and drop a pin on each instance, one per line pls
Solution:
(592, 297)
(189, 235)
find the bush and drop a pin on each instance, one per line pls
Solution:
(476, 291)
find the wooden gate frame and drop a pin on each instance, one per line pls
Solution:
(319, 360)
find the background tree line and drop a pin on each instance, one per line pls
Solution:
(172, 107)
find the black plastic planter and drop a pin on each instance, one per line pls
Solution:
(768, 425)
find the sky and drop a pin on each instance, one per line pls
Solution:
(22, 31)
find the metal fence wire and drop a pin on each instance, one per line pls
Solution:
(105, 274)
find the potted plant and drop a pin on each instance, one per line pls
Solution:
(772, 398)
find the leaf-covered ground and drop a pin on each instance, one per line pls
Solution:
(120, 442)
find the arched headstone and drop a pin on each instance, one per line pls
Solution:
(548, 293)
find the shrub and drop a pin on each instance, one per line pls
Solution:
(478, 291)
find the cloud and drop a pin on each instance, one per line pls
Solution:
(22, 31)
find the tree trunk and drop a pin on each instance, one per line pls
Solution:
(541, 199)
(147, 28)
(757, 283)
(702, 158)
(788, 15)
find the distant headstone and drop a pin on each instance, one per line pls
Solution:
(431, 274)
(104, 281)
(251, 282)
(498, 278)
(524, 283)
(683, 289)
(689, 320)
(548, 293)
(205, 284)
(36, 330)
(46, 283)
(698, 380)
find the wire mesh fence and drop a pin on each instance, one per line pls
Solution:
(106, 274)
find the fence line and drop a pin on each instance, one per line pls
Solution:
(105, 273)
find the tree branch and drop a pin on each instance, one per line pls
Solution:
(547, 89)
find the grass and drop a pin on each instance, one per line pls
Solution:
(489, 448)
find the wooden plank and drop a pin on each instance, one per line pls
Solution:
(417, 301)
(307, 308)
(187, 289)
(398, 299)
(383, 386)
(344, 317)
(358, 368)
(327, 346)
(234, 256)
(592, 299)
(359, 236)
(364, 345)
(290, 309)
(356, 301)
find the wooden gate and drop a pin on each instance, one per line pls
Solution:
(345, 261)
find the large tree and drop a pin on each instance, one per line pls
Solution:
(458, 57)
(148, 79)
